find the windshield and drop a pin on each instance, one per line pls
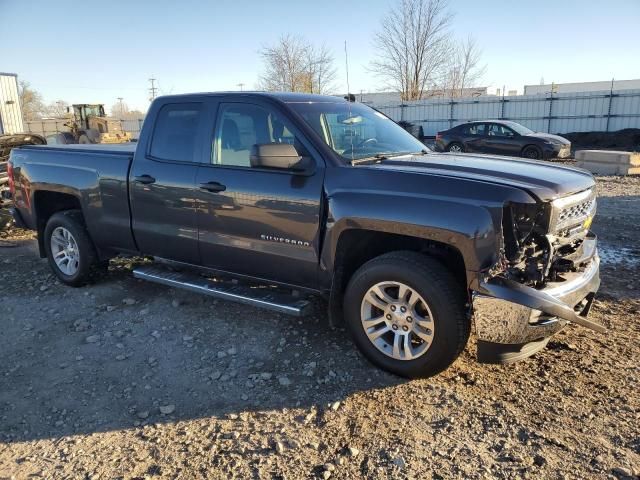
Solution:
(355, 131)
(521, 129)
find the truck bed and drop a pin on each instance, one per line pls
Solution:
(93, 178)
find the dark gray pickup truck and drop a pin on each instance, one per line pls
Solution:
(267, 199)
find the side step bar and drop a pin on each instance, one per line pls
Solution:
(255, 295)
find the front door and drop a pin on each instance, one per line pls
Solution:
(501, 140)
(255, 221)
(162, 183)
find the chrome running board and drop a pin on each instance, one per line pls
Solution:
(262, 296)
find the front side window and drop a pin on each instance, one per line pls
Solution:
(176, 132)
(498, 130)
(355, 131)
(241, 126)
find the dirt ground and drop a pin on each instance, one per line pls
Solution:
(126, 379)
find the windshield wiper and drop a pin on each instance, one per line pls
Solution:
(378, 157)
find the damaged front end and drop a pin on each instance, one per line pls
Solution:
(546, 276)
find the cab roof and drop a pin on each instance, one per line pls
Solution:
(287, 97)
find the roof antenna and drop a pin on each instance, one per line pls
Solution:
(349, 97)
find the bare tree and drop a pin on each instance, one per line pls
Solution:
(465, 68)
(295, 65)
(119, 110)
(56, 109)
(413, 46)
(31, 102)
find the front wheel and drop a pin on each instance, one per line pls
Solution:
(407, 314)
(532, 152)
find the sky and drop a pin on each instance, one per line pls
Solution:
(95, 52)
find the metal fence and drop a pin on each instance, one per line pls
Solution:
(604, 111)
(47, 127)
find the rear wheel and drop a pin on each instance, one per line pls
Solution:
(406, 313)
(532, 152)
(455, 147)
(84, 139)
(69, 249)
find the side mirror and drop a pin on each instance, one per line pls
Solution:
(281, 156)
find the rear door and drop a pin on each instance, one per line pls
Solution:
(252, 221)
(473, 137)
(162, 182)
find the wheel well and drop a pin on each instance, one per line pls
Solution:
(48, 203)
(356, 247)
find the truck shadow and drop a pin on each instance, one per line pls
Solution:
(79, 361)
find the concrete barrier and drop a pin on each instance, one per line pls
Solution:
(609, 162)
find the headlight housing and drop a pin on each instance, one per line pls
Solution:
(520, 223)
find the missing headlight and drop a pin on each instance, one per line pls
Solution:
(526, 247)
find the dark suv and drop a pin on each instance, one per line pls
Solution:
(502, 138)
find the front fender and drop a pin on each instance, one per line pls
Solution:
(469, 228)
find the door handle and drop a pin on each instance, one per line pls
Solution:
(145, 179)
(213, 187)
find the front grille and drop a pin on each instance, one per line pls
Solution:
(578, 211)
(572, 211)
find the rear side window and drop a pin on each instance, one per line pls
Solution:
(474, 129)
(176, 132)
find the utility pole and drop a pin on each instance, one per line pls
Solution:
(121, 106)
(240, 85)
(153, 89)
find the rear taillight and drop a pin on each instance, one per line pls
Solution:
(12, 183)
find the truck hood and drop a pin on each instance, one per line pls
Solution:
(550, 137)
(545, 181)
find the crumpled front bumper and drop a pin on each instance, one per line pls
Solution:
(514, 321)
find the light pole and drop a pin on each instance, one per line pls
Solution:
(240, 85)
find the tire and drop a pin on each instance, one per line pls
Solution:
(445, 302)
(532, 152)
(84, 139)
(455, 147)
(85, 259)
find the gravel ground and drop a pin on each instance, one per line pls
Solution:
(125, 379)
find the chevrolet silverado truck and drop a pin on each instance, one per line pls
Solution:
(270, 198)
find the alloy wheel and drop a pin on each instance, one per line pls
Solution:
(397, 320)
(64, 249)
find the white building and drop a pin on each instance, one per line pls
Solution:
(10, 111)
(581, 87)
